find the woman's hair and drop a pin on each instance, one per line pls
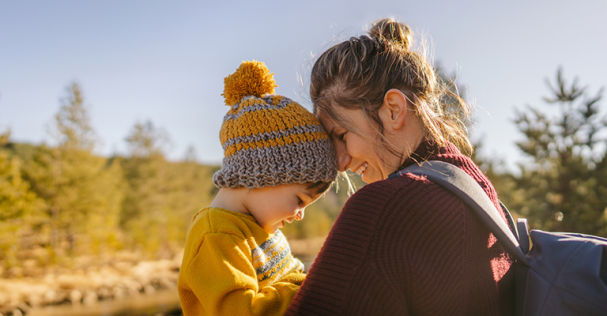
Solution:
(357, 73)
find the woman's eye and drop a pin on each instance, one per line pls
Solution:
(341, 137)
(299, 201)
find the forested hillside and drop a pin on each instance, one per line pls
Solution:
(62, 201)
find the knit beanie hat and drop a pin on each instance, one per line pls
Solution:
(268, 139)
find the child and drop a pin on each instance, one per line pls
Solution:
(278, 160)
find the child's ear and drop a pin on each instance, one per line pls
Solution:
(394, 109)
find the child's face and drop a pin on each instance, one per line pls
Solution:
(273, 206)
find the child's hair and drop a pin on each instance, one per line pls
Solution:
(268, 139)
(319, 187)
(357, 73)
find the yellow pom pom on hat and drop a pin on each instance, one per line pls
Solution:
(251, 78)
(269, 139)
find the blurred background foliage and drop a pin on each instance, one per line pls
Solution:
(562, 185)
(61, 201)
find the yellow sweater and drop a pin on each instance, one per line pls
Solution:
(231, 266)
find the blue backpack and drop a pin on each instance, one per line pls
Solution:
(562, 274)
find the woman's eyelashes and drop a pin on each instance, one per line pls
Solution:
(299, 201)
(341, 136)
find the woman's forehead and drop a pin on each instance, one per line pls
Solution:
(339, 116)
(328, 122)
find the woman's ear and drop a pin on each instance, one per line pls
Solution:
(394, 110)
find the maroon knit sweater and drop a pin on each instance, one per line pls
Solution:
(406, 246)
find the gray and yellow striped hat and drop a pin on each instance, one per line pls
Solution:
(268, 139)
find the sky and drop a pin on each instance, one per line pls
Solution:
(164, 61)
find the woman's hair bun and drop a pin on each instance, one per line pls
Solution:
(389, 30)
(251, 78)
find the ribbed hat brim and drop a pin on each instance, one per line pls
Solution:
(302, 162)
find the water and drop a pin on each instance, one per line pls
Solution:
(161, 303)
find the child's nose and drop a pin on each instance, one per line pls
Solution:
(300, 215)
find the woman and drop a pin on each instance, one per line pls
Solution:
(401, 246)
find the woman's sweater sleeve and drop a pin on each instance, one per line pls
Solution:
(224, 282)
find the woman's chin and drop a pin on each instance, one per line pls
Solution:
(368, 177)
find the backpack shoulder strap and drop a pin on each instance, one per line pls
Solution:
(468, 190)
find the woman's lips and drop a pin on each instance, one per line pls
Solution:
(362, 168)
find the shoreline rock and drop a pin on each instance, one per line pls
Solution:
(110, 279)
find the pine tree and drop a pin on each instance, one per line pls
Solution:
(564, 186)
(192, 188)
(20, 208)
(162, 196)
(146, 208)
(82, 191)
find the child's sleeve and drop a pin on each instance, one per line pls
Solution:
(224, 281)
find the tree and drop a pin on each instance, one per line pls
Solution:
(564, 187)
(20, 208)
(145, 210)
(72, 123)
(82, 191)
(162, 196)
(191, 188)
